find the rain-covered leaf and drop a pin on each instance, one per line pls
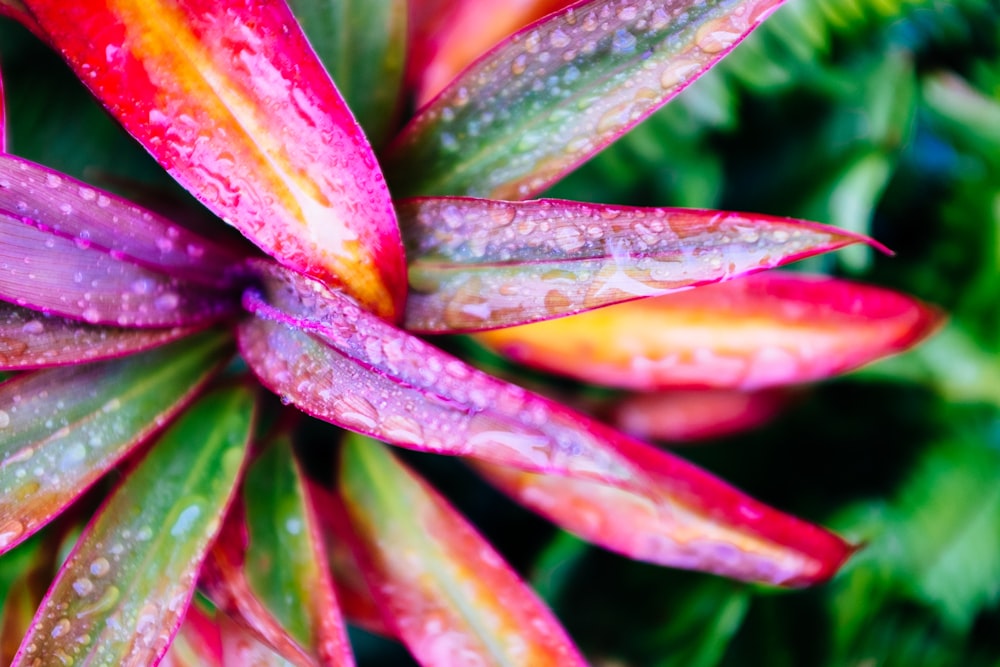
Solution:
(63, 428)
(29, 339)
(664, 530)
(478, 264)
(557, 92)
(448, 594)
(449, 36)
(123, 591)
(281, 564)
(762, 330)
(229, 97)
(320, 351)
(362, 43)
(683, 416)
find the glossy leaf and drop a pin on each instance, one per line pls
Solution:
(63, 428)
(679, 416)
(759, 331)
(29, 339)
(362, 43)
(652, 528)
(229, 97)
(197, 642)
(333, 360)
(444, 46)
(294, 588)
(123, 591)
(448, 594)
(479, 264)
(554, 94)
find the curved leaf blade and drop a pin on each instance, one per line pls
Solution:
(554, 94)
(448, 594)
(276, 578)
(30, 340)
(197, 643)
(759, 331)
(240, 648)
(481, 264)
(123, 605)
(63, 428)
(333, 360)
(229, 97)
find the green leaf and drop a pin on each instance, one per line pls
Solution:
(123, 592)
(554, 94)
(362, 43)
(65, 427)
(282, 527)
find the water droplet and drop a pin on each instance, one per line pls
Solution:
(60, 628)
(66, 209)
(103, 604)
(100, 566)
(185, 520)
(144, 533)
(91, 315)
(4, 419)
(167, 302)
(623, 42)
(293, 526)
(10, 532)
(83, 586)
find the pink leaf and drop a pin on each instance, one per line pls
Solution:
(318, 350)
(29, 339)
(759, 331)
(197, 643)
(679, 416)
(478, 264)
(450, 597)
(229, 97)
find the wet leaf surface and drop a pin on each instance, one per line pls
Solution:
(124, 589)
(478, 264)
(249, 122)
(61, 429)
(557, 92)
(759, 331)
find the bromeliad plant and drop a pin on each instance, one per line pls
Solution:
(121, 327)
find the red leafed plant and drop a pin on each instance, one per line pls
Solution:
(132, 338)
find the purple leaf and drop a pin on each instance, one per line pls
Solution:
(319, 350)
(90, 217)
(63, 428)
(478, 264)
(29, 339)
(123, 591)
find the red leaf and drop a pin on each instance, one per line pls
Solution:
(762, 330)
(333, 360)
(229, 97)
(679, 416)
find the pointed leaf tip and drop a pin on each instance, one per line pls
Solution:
(230, 98)
(762, 330)
(482, 264)
(554, 94)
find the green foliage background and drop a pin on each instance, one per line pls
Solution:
(882, 116)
